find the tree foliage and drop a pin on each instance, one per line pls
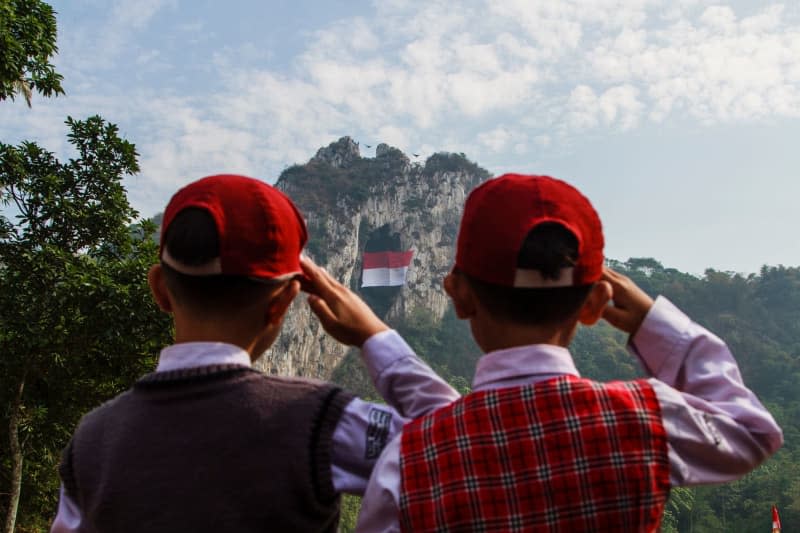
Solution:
(451, 162)
(77, 324)
(27, 42)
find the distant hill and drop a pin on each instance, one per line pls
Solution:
(351, 204)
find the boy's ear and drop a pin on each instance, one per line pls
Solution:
(595, 303)
(457, 288)
(280, 301)
(158, 287)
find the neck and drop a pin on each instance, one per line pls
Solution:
(492, 335)
(214, 330)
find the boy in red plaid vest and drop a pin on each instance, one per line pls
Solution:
(535, 447)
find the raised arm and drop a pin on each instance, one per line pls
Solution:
(406, 382)
(408, 385)
(717, 429)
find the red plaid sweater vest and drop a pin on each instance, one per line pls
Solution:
(567, 454)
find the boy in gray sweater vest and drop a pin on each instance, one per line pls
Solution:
(206, 443)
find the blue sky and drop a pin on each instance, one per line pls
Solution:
(678, 118)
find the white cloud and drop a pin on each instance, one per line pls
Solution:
(101, 44)
(617, 106)
(768, 20)
(719, 68)
(496, 140)
(397, 137)
(582, 106)
(551, 25)
(721, 19)
(621, 105)
(136, 15)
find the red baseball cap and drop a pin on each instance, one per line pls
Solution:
(261, 232)
(500, 213)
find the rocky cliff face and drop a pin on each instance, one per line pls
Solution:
(386, 202)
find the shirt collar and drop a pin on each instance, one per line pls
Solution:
(522, 365)
(194, 354)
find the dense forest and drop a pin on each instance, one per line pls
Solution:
(759, 317)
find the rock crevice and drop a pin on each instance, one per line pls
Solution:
(347, 200)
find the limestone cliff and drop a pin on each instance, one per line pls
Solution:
(353, 203)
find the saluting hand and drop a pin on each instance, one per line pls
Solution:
(345, 316)
(630, 304)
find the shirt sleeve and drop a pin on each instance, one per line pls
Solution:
(403, 379)
(717, 430)
(410, 388)
(380, 510)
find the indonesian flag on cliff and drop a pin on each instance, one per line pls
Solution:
(385, 269)
(776, 521)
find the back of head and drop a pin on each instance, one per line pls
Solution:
(531, 247)
(227, 240)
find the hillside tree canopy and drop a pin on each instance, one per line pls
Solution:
(78, 324)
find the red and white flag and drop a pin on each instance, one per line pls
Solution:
(776, 520)
(385, 269)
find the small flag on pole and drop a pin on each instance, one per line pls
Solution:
(776, 520)
(385, 269)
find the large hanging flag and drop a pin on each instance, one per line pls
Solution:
(385, 269)
(776, 520)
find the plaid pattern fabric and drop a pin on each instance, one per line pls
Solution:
(566, 454)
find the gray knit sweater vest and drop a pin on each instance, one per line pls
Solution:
(216, 448)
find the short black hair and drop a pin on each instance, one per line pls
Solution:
(192, 240)
(547, 248)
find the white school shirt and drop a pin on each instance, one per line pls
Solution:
(717, 430)
(403, 380)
